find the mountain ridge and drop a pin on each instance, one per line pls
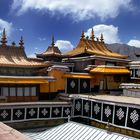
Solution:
(124, 49)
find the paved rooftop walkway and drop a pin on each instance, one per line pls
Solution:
(75, 131)
(111, 98)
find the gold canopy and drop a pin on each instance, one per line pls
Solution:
(92, 47)
(110, 70)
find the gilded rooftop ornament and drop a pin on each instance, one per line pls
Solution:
(21, 43)
(53, 41)
(97, 39)
(4, 39)
(83, 35)
(102, 38)
(92, 34)
(13, 44)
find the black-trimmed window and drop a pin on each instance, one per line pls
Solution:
(4, 91)
(33, 91)
(12, 91)
(18, 90)
(26, 91)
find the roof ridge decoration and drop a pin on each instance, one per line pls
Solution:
(93, 47)
(13, 44)
(83, 35)
(92, 34)
(102, 38)
(51, 51)
(21, 43)
(53, 44)
(97, 39)
(3, 38)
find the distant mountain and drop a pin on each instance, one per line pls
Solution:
(132, 52)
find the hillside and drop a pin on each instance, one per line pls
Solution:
(125, 49)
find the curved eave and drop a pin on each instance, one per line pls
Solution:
(49, 55)
(109, 71)
(77, 75)
(78, 51)
(26, 79)
(93, 48)
(24, 66)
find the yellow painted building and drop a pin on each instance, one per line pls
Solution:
(90, 67)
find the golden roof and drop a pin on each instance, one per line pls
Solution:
(110, 70)
(15, 56)
(92, 47)
(78, 75)
(51, 51)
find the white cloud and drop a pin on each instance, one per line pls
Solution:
(6, 25)
(42, 39)
(32, 56)
(64, 45)
(135, 43)
(79, 10)
(20, 29)
(110, 32)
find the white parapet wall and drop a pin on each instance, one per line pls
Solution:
(131, 89)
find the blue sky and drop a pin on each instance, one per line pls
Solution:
(38, 20)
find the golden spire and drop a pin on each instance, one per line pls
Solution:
(53, 41)
(13, 44)
(21, 43)
(102, 38)
(92, 34)
(83, 35)
(87, 37)
(3, 39)
(97, 39)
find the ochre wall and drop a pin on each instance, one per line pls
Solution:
(96, 80)
(44, 88)
(59, 84)
(114, 81)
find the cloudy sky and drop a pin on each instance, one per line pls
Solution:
(38, 20)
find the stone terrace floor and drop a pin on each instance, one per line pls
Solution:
(111, 98)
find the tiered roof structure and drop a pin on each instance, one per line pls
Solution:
(52, 53)
(15, 56)
(88, 46)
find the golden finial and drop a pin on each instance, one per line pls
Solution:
(21, 43)
(13, 44)
(92, 34)
(3, 39)
(97, 39)
(102, 38)
(83, 35)
(53, 41)
(87, 37)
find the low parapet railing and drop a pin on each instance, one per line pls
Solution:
(18, 112)
(121, 115)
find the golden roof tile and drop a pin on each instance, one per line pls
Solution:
(110, 70)
(15, 56)
(51, 51)
(93, 47)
